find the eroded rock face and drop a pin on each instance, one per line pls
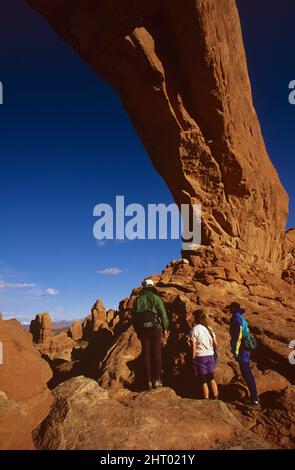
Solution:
(54, 346)
(270, 310)
(98, 316)
(115, 370)
(95, 322)
(76, 331)
(289, 258)
(180, 70)
(41, 327)
(276, 422)
(58, 347)
(83, 417)
(25, 399)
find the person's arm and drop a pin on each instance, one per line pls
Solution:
(213, 338)
(236, 335)
(195, 341)
(215, 345)
(193, 348)
(162, 313)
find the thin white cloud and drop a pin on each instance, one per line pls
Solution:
(109, 271)
(52, 292)
(17, 285)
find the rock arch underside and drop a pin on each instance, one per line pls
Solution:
(180, 69)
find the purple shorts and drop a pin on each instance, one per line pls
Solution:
(204, 365)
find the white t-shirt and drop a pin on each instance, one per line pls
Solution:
(201, 336)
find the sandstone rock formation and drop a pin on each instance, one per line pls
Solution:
(114, 371)
(83, 417)
(84, 348)
(99, 335)
(15, 432)
(289, 259)
(276, 423)
(41, 327)
(180, 70)
(75, 331)
(184, 289)
(96, 321)
(271, 314)
(53, 346)
(98, 316)
(24, 398)
(58, 347)
(113, 317)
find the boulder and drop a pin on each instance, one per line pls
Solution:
(25, 400)
(83, 417)
(114, 369)
(270, 381)
(275, 422)
(15, 431)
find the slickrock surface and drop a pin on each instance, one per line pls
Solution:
(83, 417)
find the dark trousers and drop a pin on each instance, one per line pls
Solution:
(151, 342)
(249, 379)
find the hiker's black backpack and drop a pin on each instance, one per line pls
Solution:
(145, 320)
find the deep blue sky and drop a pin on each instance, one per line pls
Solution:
(66, 144)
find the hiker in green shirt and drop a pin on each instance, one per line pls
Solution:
(151, 324)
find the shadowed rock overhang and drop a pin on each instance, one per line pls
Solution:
(181, 72)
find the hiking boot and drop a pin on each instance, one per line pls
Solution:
(150, 386)
(247, 401)
(158, 384)
(253, 405)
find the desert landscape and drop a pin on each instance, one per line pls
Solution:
(181, 72)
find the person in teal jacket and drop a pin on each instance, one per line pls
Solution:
(238, 330)
(151, 324)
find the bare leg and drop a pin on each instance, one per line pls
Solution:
(214, 388)
(205, 391)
